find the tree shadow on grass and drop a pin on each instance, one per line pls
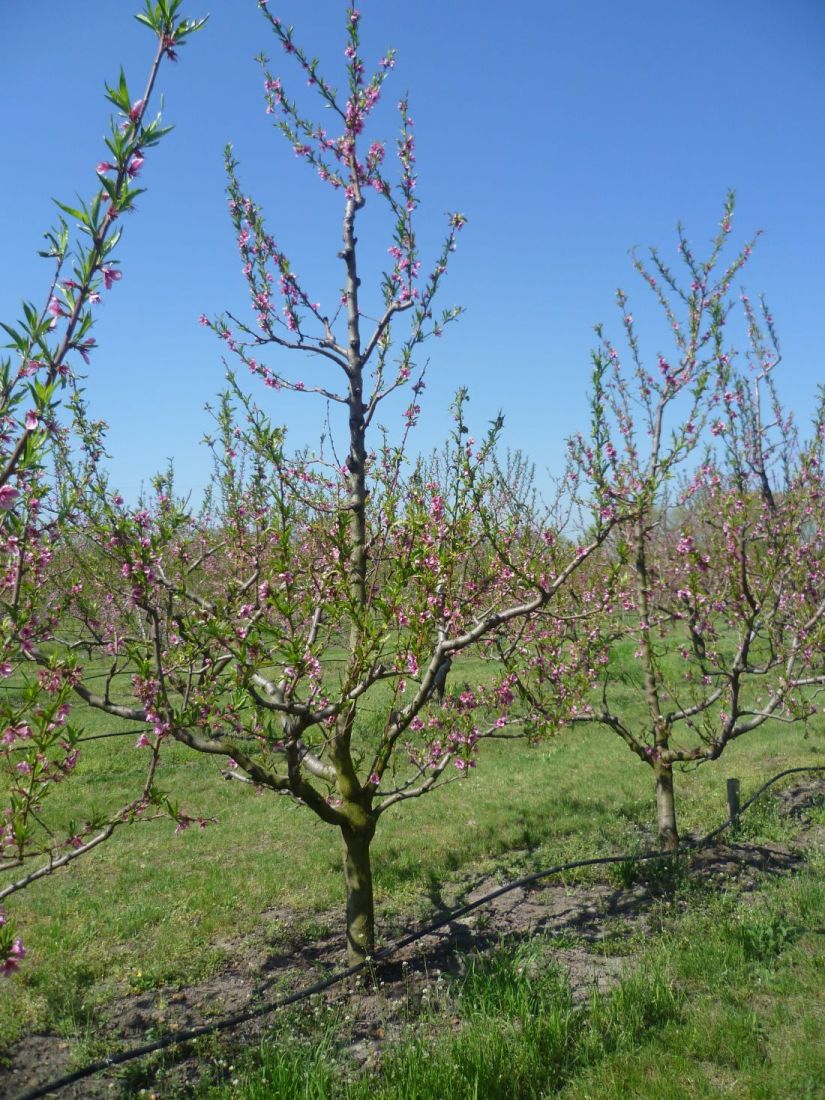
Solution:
(593, 929)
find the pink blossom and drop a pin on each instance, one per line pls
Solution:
(143, 742)
(16, 953)
(110, 276)
(31, 421)
(135, 110)
(87, 345)
(505, 695)
(104, 167)
(374, 779)
(135, 165)
(8, 495)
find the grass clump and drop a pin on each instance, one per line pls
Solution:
(729, 998)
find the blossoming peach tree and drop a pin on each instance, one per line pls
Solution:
(301, 628)
(39, 744)
(718, 580)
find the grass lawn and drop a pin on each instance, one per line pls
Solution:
(152, 908)
(729, 1001)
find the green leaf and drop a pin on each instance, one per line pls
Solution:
(190, 26)
(109, 187)
(111, 242)
(116, 144)
(58, 240)
(80, 215)
(153, 132)
(94, 213)
(19, 342)
(127, 200)
(119, 95)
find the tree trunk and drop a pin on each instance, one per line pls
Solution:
(666, 809)
(360, 904)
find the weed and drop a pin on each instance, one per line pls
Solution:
(663, 875)
(762, 935)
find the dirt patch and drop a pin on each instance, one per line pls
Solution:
(798, 800)
(745, 864)
(598, 928)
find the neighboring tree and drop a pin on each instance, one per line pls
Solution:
(306, 626)
(715, 570)
(39, 745)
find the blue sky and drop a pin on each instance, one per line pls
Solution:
(566, 132)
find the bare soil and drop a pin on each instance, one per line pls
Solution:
(598, 926)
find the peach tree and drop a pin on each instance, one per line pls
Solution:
(39, 743)
(305, 627)
(713, 573)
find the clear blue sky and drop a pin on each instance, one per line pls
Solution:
(566, 132)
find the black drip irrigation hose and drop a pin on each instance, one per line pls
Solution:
(405, 941)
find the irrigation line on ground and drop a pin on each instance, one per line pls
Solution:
(405, 941)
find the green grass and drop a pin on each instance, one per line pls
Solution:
(729, 1001)
(152, 908)
(751, 1019)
